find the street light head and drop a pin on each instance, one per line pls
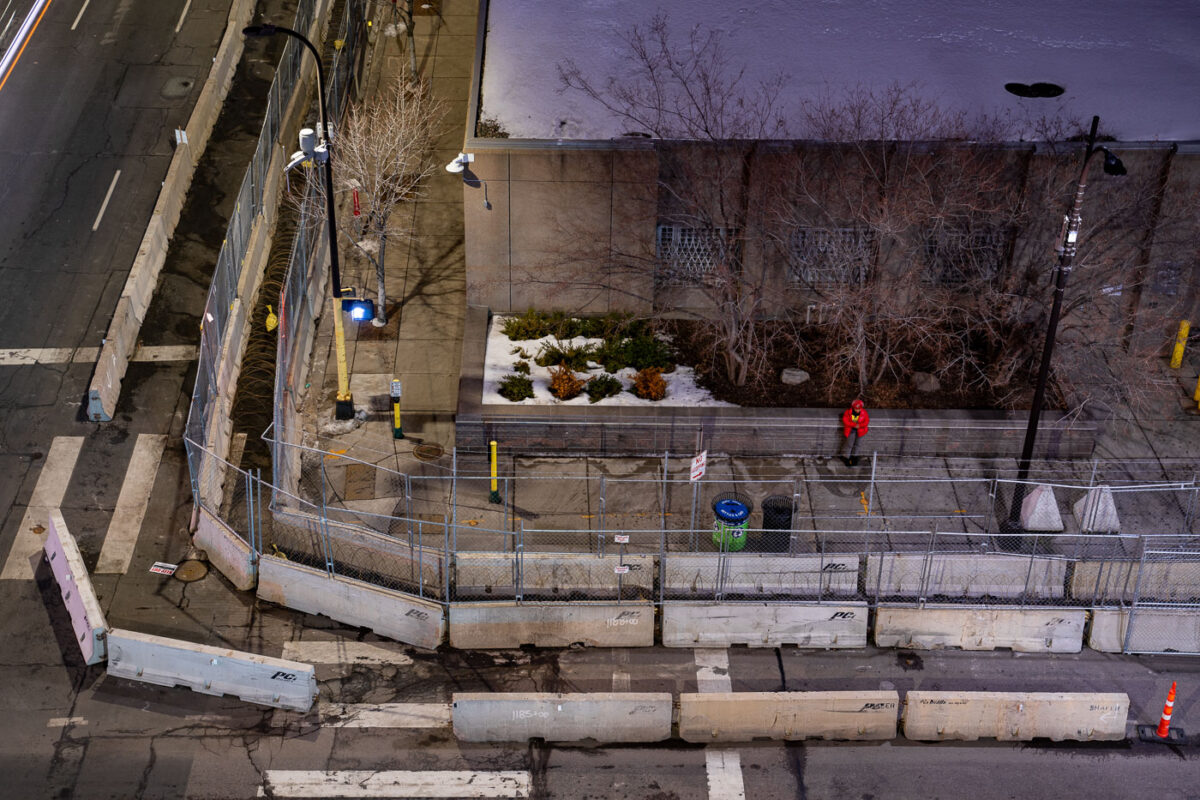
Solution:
(1112, 164)
(260, 31)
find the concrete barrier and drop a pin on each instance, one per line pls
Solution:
(632, 717)
(749, 574)
(227, 551)
(553, 575)
(211, 670)
(1096, 511)
(1155, 630)
(87, 619)
(392, 614)
(1028, 630)
(762, 625)
(490, 626)
(965, 575)
(1118, 581)
(1015, 716)
(746, 716)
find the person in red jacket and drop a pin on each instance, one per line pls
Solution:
(855, 420)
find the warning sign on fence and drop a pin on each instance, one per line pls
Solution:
(699, 464)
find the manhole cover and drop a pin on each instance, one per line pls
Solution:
(190, 571)
(428, 452)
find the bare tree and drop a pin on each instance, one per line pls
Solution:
(384, 152)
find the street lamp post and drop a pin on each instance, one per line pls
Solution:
(344, 406)
(1067, 247)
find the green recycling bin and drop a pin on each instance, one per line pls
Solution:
(729, 530)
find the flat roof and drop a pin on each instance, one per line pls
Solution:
(1135, 64)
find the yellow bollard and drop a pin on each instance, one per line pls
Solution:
(494, 497)
(1196, 394)
(1180, 343)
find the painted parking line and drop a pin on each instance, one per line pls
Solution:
(107, 197)
(384, 715)
(126, 522)
(23, 356)
(394, 784)
(724, 766)
(339, 652)
(48, 494)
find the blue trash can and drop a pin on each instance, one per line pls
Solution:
(729, 530)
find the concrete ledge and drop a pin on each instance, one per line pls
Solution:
(392, 614)
(749, 574)
(1024, 630)
(489, 626)
(966, 575)
(227, 551)
(746, 716)
(603, 717)
(762, 625)
(211, 670)
(553, 575)
(1015, 716)
(1156, 630)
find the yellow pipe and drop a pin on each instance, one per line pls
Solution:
(339, 346)
(494, 495)
(1180, 344)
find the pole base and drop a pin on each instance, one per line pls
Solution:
(494, 497)
(397, 433)
(1149, 733)
(343, 409)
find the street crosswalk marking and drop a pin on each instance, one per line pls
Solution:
(126, 522)
(48, 494)
(384, 715)
(712, 670)
(343, 652)
(724, 766)
(395, 784)
(21, 356)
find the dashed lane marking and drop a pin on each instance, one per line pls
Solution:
(337, 652)
(395, 784)
(385, 715)
(126, 522)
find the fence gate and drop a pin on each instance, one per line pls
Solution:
(1165, 614)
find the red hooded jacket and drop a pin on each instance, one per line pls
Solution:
(852, 420)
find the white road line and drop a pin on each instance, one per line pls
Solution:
(712, 670)
(62, 722)
(183, 14)
(126, 522)
(17, 357)
(322, 652)
(724, 774)
(78, 17)
(107, 197)
(394, 784)
(385, 715)
(48, 493)
(724, 766)
(620, 681)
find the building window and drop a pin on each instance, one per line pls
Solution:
(690, 256)
(956, 257)
(826, 256)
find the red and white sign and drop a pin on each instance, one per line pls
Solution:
(621, 538)
(699, 464)
(622, 569)
(162, 568)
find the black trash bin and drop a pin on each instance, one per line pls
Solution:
(776, 535)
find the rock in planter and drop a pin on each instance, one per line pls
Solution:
(924, 382)
(793, 377)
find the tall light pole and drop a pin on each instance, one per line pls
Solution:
(1067, 246)
(344, 406)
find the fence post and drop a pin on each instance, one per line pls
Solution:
(518, 563)
(603, 484)
(258, 510)
(662, 539)
(249, 483)
(446, 558)
(408, 506)
(1029, 571)
(454, 497)
(927, 567)
(1137, 593)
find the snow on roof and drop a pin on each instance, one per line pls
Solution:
(1135, 64)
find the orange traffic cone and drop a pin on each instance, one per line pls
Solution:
(1163, 733)
(1164, 723)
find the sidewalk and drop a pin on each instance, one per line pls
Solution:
(425, 277)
